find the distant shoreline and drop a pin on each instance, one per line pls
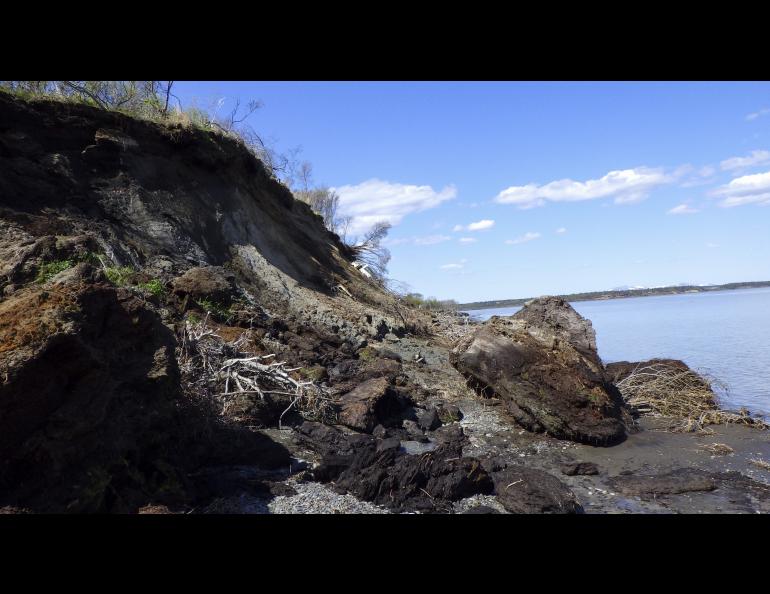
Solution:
(624, 294)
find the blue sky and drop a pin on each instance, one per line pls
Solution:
(502, 190)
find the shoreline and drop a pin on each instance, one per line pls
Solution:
(612, 295)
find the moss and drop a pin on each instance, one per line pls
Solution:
(50, 269)
(367, 354)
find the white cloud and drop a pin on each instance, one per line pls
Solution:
(748, 189)
(528, 236)
(455, 265)
(757, 114)
(477, 226)
(754, 159)
(712, 245)
(701, 177)
(682, 209)
(626, 186)
(467, 240)
(375, 200)
(561, 230)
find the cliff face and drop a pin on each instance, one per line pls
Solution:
(147, 191)
(101, 217)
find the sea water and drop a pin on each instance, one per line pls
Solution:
(724, 333)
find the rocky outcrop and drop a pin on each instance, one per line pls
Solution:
(380, 470)
(88, 397)
(543, 364)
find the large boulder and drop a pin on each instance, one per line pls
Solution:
(88, 397)
(543, 364)
(553, 316)
(373, 402)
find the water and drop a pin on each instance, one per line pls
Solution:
(726, 333)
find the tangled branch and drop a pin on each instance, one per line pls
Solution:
(221, 371)
(662, 390)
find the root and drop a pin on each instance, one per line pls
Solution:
(220, 371)
(660, 390)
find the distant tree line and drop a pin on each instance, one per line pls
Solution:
(420, 302)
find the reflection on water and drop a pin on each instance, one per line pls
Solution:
(726, 333)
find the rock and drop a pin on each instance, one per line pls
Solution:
(364, 407)
(348, 374)
(554, 316)
(449, 413)
(413, 429)
(90, 383)
(428, 420)
(379, 432)
(405, 482)
(580, 468)
(206, 282)
(681, 480)
(546, 383)
(523, 490)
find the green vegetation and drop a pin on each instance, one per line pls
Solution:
(119, 275)
(418, 301)
(155, 286)
(50, 269)
(217, 310)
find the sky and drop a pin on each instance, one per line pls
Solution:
(500, 190)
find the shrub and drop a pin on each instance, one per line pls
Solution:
(154, 286)
(50, 269)
(119, 275)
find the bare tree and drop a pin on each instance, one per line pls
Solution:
(370, 250)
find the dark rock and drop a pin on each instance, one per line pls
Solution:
(449, 413)
(413, 483)
(388, 444)
(366, 405)
(579, 468)
(558, 318)
(681, 480)
(380, 432)
(428, 420)
(547, 384)
(524, 490)
(388, 354)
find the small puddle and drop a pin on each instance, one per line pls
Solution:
(417, 448)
